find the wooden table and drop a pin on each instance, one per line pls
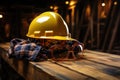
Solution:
(94, 66)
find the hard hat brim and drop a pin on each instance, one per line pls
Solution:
(54, 37)
(58, 38)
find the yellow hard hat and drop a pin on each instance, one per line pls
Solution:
(49, 25)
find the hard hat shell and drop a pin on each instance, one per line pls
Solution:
(49, 25)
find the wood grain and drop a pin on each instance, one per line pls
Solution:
(94, 66)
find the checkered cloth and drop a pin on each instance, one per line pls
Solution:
(21, 48)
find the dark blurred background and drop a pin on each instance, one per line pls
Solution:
(96, 23)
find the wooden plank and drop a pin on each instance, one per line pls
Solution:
(112, 71)
(87, 69)
(114, 32)
(23, 68)
(5, 45)
(61, 72)
(104, 58)
(110, 20)
(104, 54)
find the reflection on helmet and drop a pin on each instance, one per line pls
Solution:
(49, 25)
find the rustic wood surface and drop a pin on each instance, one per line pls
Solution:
(94, 66)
